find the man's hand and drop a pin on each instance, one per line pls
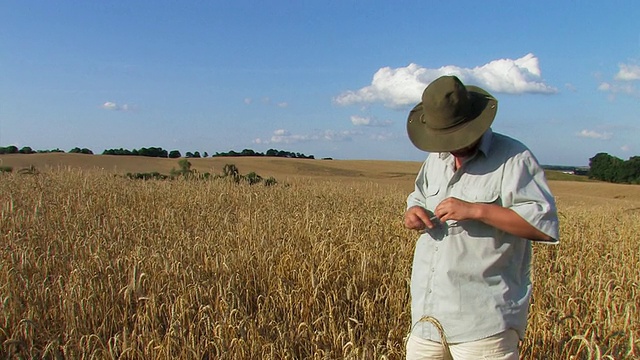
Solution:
(417, 218)
(456, 209)
(494, 215)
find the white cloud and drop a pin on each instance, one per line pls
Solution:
(628, 72)
(625, 148)
(382, 136)
(282, 136)
(619, 88)
(604, 86)
(358, 120)
(592, 134)
(116, 107)
(267, 102)
(401, 87)
(110, 106)
(622, 82)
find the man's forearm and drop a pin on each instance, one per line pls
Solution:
(508, 221)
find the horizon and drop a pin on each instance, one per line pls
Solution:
(325, 79)
(183, 155)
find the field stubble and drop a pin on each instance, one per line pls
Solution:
(99, 266)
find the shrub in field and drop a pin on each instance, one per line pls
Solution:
(252, 178)
(270, 181)
(31, 170)
(147, 176)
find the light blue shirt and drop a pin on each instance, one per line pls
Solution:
(473, 278)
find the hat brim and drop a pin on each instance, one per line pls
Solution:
(458, 137)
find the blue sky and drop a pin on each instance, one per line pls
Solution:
(323, 78)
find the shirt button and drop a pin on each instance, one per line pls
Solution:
(433, 269)
(429, 291)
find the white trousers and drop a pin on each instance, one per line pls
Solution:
(503, 346)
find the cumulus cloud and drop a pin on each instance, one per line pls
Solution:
(358, 120)
(628, 72)
(282, 136)
(592, 134)
(117, 107)
(622, 82)
(401, 87)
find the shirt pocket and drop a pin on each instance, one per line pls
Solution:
(481, 195)
(432, 198)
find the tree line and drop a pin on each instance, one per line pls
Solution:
(157, 152)
(609, 168)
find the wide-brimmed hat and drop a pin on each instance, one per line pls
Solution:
(451, 115)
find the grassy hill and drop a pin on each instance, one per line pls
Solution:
(401, 173)
(280, 168)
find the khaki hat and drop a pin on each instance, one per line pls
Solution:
(451, 115)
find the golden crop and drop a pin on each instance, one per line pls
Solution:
(99, 266)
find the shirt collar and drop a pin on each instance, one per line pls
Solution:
(484, 147)
(485, 142)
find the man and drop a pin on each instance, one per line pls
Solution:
(480, 198)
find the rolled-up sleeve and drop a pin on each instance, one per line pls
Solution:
(526, 191)
(417, 197)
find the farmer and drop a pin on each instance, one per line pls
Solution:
(480, 199)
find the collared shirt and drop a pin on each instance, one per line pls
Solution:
(473, 278)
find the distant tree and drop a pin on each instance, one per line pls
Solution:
(151, 152)
(77, 150)
(9, 150)
(56, 150)
(630, 170)
(205, 154)
(248, 152)
(612, 169)
(196, 154)
(174, 154)
(272, 152)
(189, 154)
(26, 150)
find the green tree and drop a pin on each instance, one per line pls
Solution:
(612, 169)
(77, 150)
(174, 154)
(9, 150)
(630, 170)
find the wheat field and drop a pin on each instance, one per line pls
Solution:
(98, 266)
